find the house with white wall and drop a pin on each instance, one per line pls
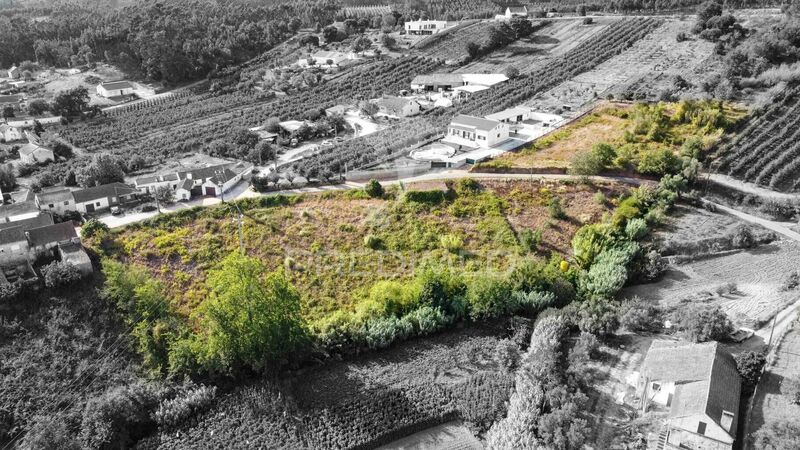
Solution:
(115, 89)
(474, 131)
(10, 133)
(14, 73)
(212, 180)
(98, 198)
(425, 27)
(398, 106)
(325, 58)
(57, 201)
(699, 386)
(32, 153)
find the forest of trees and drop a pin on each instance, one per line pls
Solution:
(175, 41)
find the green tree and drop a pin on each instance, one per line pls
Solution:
(103, 170)
(251, 317)
(374, 189)
(71, 102)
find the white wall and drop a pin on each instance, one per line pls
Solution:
(98, 205)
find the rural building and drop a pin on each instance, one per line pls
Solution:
(452, 81)
(476, 131)
(212, 180)
(58, 201)
(21, 210)
(14, 73)
(22, 243)
(511, 115)
(700, 386)
(10, 133)
(115, 89)
(31, 153)
(290, 126)
(325, 58)
(516, 11)
(30, 123)
(398, 106)
(101, 197)
(11, 100)
(425, 27)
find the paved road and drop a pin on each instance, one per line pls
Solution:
(778, 227)
(749, 188)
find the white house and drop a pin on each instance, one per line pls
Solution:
(10, 133)
(31, 153)
(212, 180)
(516, 11)
(700, 386)
(453, 81)
(511, 115)
(115, 89)
(57, 201)
(102, 197)
(398, 106)
(14, 72)
(473, 131)
(425, 27)
(14, 212)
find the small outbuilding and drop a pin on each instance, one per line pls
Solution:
(115, 89)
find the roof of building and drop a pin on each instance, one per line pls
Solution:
(509, 113)
(15, 231)
(16, 209)
(438, 79)
(518, 10)
(4, 127)
(420, 21)
(31, 149)
(705, 376)
(117, 85)
(186, 185)
(394, 104)
(102, 191)
(291, 125)
(13, 98)
(56, 196)
(226, 173)
(478, 123)
(50, 234)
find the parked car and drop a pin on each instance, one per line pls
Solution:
(116, 210)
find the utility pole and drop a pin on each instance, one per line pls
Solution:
(240, 215)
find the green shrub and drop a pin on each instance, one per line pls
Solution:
(636, 229)
(489, 296)
(750, 365)
(532, 302)
(119, 417)
(506, 355)
(589, 241)
(427, 320)
(382, 332)
(60, 274)
(434, 197)
(639, 315)
(702, 324)
(598, 316)
(659, 162)
(555, 209)
(186, 404)
(92, 227)
(339, 330)
(467, 186)
(451, 243)
(600, 198)
(374, 189)
(530, 239)
(389, 298)
(442, 288)
(373, 242)
(609, 272)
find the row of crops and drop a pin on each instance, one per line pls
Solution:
(767, 151)
(192, 122)
(259, 416)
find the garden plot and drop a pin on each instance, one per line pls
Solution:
(746, 284)
(772, 404)
(657, 58)
(552, 41)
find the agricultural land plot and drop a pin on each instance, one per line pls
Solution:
(374, 400)
(651, 65)
(615, 124)
(320, 239)
(452, 46)
(771, 403)
(751, 280)
(613, 397)
(554, 40)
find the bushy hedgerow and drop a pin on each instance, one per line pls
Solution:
(639, 315)
(60, 274)
(92, 227)
(701, 324)
(189, 401)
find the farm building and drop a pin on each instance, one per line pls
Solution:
(31, 153)
(58, 201)
(516, 11)
(473, 131)
(425, 27)
(398, 107)
(212, 180)
(115, 89)
(14, 212)
(700, 386)
(10, 133)
(14, 73)
(23, 243)
(290, 126)
(452, 81)
(511, 115)
(11, 100)
(30, 123)
(101, 197)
